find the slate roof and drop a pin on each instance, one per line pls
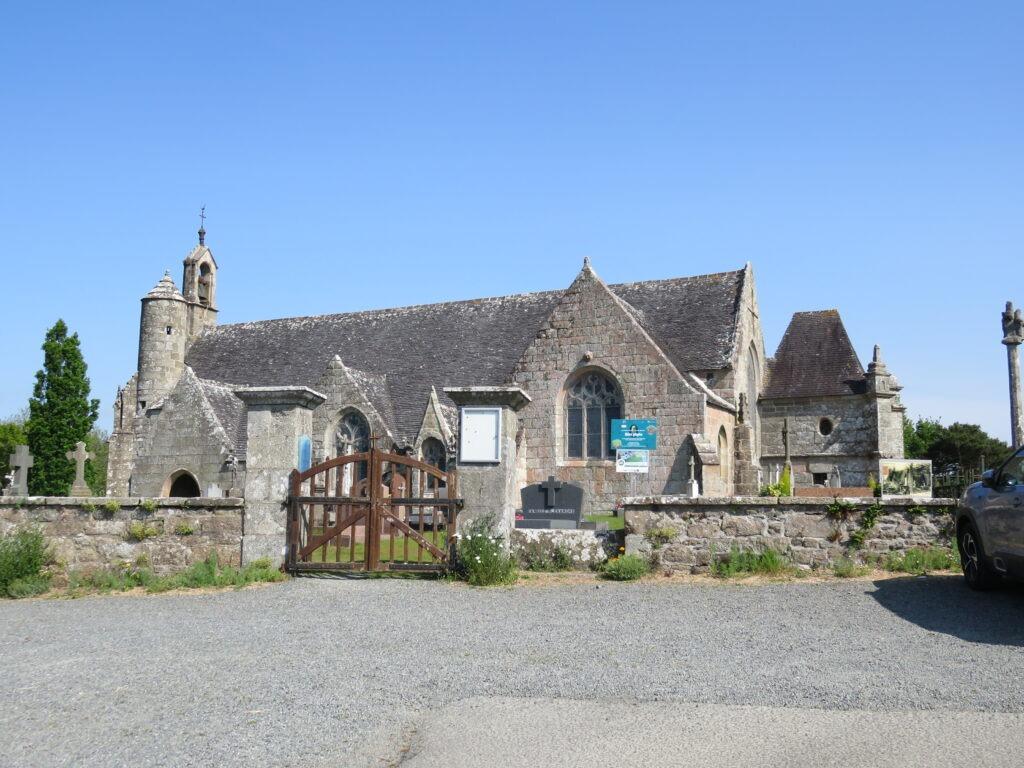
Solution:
(815, 358)
(400, 353)
(230, 412)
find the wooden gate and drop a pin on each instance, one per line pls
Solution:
(371, 511)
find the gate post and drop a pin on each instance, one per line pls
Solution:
(276, 417)
(491, 487)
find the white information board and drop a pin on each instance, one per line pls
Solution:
(480, 435)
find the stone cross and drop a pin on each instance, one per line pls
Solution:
(785, 437)
(693, 487)
(549, 487)
(21, 461)
(1013, 335)
(80, 488)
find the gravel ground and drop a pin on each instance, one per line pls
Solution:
(341, 671)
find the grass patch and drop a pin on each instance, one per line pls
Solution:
(183, 529)
(921, 561)
(23, 554)
(740, 563)
(208, 573)
(405, 549)
(625, 568)
(140, 531)
(845, 568)
(615, 522)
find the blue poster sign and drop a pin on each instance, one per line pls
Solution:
(305, 453)
(638, 434)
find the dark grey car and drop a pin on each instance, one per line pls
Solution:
(990, 525)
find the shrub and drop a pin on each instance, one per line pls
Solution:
(111, 507)
(183, 528)
(741, 563)
(88, 507)
(541, 555)
(29, 586)
(208, 573)
(23, 554)
(839, 509)
(782, 488)
(625, 568)
(148, 506)
(845, 568)
(482, 561)
(140, 532)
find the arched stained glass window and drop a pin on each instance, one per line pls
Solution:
(434, 453)
(590, 405)
(353, 436)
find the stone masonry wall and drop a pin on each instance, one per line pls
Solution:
(590, 320)
(86, 534)
(801, 529)
(851, 445)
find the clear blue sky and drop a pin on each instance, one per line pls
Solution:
(867, 156)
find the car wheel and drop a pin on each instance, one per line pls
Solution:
(976, 569)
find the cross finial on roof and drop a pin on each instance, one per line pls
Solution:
(586, 262)
(202, 225)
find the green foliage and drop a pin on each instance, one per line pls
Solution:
(88, 507)
(23, 553)
(782, 488)
(111, 507)
(138, 531)
(29, 586)
(625, 568)
(183, 529)
(845, 568)
(916, 511)
(482, 560)
(868, 518)
(12, 433)
(960, 445)
(839, 509)
(208, 573)
(60, 413)
(97, 442)
(148, 506)
(659, 537)
(541, 555)
(920, 561)
(744, 563)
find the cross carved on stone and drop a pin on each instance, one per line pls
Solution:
(80, 488)
(550, 486)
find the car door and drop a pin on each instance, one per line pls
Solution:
(1004, 516)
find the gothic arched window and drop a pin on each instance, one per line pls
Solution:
(434, 453)
(590, 405)
(353, 436)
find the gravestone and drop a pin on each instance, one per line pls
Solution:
(21, 461)
(80, 489)
(551, 504)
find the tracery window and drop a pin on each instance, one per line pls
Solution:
(353, 436)
(434, 453)
(590, 405)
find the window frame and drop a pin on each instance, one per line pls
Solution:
(611, 406)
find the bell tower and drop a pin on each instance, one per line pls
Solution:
(199, 284)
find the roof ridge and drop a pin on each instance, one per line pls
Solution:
(481, 300)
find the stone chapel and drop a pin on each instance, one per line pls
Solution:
(687, 351)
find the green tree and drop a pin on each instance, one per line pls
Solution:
(12, 433)
(97, 443)
(958, 445)
(60, 412)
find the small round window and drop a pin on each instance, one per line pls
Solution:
(825, 426)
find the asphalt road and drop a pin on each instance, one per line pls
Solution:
(336, 672)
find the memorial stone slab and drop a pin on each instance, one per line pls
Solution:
(551, 504)
(21, 461)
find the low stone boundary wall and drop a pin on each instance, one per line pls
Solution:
(586, 547)
(812, 532)
(100, 532)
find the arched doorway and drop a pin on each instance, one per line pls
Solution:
(181, 485)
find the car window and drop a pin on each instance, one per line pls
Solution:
(1013, 471)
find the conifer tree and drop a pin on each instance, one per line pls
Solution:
(60, 413)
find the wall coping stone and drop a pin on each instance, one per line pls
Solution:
(512, 396)
(789, 501)
(199, 502)
(304, 396)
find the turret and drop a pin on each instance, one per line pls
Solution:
(884, 390)
(163, 334)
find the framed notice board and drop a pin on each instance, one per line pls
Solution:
(480, 435)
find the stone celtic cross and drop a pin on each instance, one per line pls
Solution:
(21, 461)
(80, 488)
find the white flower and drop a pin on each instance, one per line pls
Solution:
(478, 558)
